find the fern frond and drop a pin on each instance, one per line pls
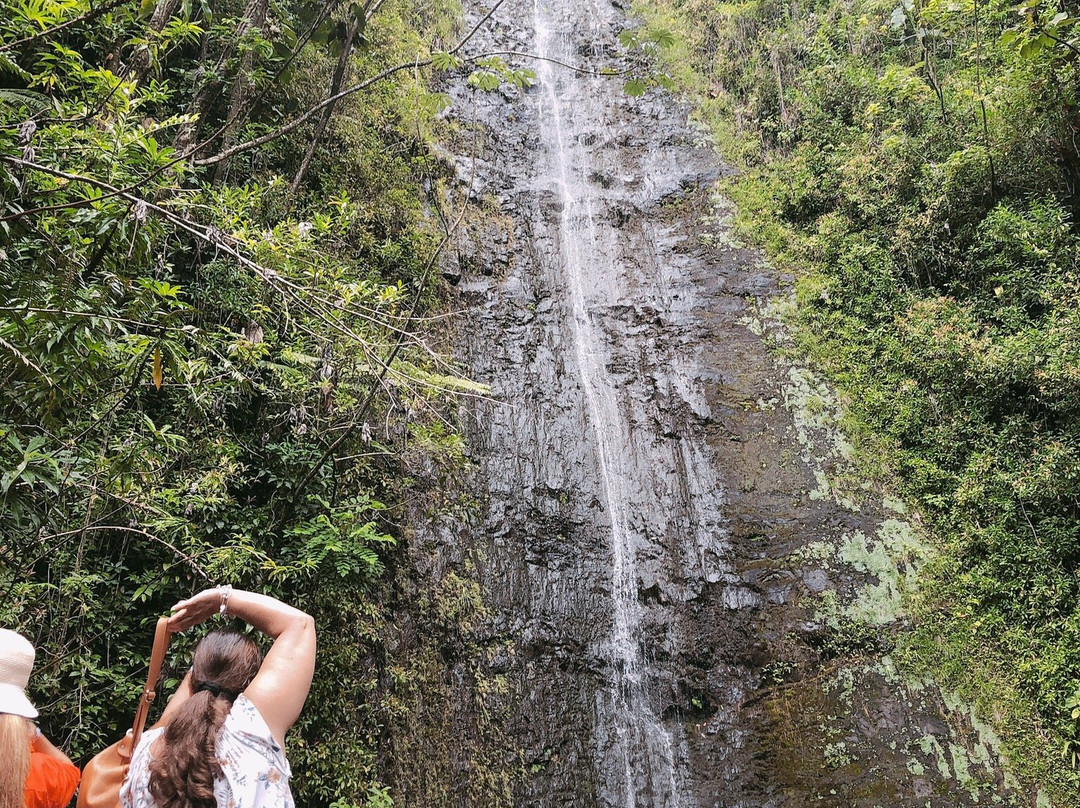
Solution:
(24, 98)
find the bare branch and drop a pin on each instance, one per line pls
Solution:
(335, 85)
(138, 531)
(296, 122)
(1059, 40)
(209, 235)
(91, 315)
(476, 28)
(333, 99)
(25, 360)
(386, 364)
(536, 57)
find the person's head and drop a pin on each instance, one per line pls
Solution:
(182, 774)
(16, 663)
(225, 661)
(16, 710)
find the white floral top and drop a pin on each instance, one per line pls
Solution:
(256, 773)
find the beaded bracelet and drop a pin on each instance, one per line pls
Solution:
(225, 590)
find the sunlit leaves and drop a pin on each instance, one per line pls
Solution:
(647, 39)
(10, 67)
(434, 103)
(647, 43)
(158, 372)
(441, 60)
(42, 14)
(343, 541)
(493, 71)
(522, 77)
(1044, 28)
(486, 80)
(179, 31)
(662, 38)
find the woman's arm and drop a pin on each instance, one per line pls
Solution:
(46, 747)
(52, 778)
(282, 683)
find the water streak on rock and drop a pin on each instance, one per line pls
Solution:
(641, 742)
(658, 534)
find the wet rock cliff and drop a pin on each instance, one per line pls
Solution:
(674, 603)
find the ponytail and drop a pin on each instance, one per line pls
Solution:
(183, 771)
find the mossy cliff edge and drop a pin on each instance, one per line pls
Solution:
(914, 167)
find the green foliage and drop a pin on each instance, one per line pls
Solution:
(446, 61)
(649, 40)
(493, 71)
(917, 164)
(644, 45)
(211, 351)
(1045, 31)
(1070, 748)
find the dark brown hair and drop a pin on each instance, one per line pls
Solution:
(185, 760)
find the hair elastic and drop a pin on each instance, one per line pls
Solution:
(214, 689)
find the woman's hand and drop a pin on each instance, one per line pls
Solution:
(281, 686)
(196, 609)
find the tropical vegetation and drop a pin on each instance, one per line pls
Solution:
(916, 164)
(220, 362)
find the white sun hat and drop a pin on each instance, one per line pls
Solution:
(16, 662)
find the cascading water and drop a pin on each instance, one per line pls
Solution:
(643, 746)
(644, 497)
(643, 753)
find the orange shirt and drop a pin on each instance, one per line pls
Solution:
(51, 782)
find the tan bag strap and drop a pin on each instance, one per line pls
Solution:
(157, 659)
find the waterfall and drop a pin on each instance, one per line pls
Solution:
(643, 753)
(651, 535)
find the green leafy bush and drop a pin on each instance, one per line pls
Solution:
(210, 277)
(916, 165)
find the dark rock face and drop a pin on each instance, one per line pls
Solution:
(685, 593)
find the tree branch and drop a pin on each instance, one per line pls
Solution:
(1058, 39)
(326, 314)
(296, 122)
(333, 99)
(90, 15)
(335, 85)
(449, 230)
(139, 532)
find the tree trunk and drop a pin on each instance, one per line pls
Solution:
(139, 67)
(254, 16)
(324, 119)
(188, 133)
